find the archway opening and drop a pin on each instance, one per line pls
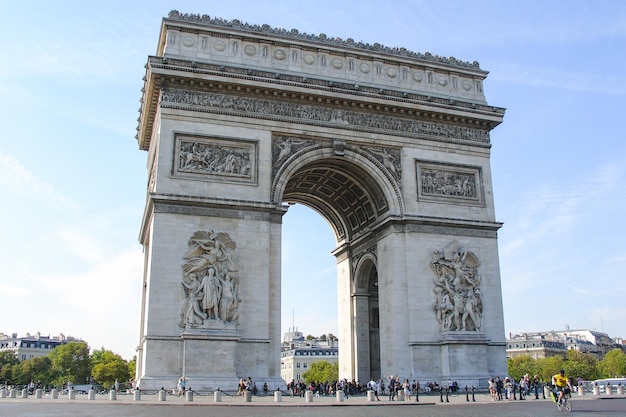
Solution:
(309, 273)
(342, 194)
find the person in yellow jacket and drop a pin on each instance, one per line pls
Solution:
(560, 382)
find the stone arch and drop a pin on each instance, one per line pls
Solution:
(364, 300)
(351, 191)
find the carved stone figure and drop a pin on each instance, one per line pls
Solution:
(210, 281)
(458, 304)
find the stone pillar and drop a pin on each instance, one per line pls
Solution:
(189, 396)
(217, 396)
(162, 395)
(370, 395)
(71, 394)
(596, 390)
(38, 393)
(54, 394)
(247, 395)
(3, 393)
(546, 391)
(400, 393)
(308, 396)
(91, 395)
(278, 396)
(609, 389)
(340, 396)
(620, 389)
(581, 390)
(25, 393)
(13, 393)
(112, 395)
(137, 395)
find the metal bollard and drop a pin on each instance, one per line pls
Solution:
(189, 396)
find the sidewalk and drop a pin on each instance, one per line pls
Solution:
(287, 401)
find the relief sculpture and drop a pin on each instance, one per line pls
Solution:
(285, 146)
(448, 183)
(210, 281)
(207, 158)
(458, 304)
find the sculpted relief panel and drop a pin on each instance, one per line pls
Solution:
(220, 158)
(458, 304)
(210, 282)
(439, 182)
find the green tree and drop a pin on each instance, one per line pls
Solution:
(547, 367)
(6, 373)
(38, 369)
(581, 365)
(321, 371)
(8, 359)
(613, 365)
(132, 367)
(107, 366)
(522, 365)
(70, 363)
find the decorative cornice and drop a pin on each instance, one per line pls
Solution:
(294, 34)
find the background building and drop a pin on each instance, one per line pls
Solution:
(30, 346)
(297, 354)
(543, 344)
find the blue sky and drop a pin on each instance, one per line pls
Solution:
(72, 179)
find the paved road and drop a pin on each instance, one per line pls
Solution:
(296, 407)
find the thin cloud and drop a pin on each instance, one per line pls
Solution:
(17, 179)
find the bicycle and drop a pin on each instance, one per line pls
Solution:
(565, 404)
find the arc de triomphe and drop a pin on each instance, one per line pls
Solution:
(390, 146)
